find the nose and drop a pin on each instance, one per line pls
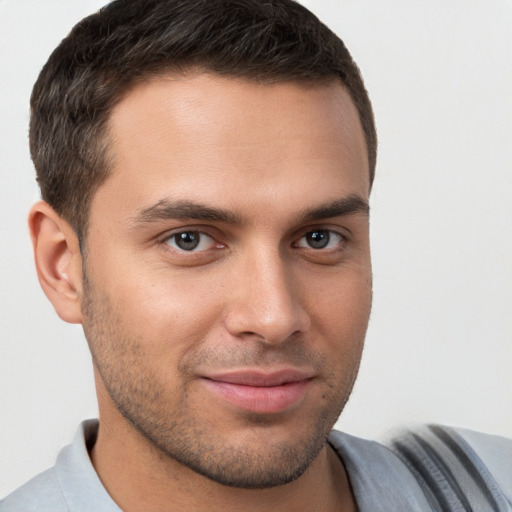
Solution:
(265, 302)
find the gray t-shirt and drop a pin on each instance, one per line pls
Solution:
(382, 478)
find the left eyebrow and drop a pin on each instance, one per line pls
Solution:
(338, 208)
(181, 210)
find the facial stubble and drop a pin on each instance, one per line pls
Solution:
(254, 459)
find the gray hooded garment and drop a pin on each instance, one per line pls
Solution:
(429, 469)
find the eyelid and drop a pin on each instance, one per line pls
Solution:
(202, 231)
(340, 231)
(173, 231)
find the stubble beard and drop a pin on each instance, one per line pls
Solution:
(255, 463)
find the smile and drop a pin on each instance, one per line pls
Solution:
(262, 393)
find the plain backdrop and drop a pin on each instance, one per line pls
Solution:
(439, 343)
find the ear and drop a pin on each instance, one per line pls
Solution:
(58, 260)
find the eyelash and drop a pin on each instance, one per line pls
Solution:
(195, 232)
(323, 235)
(326, 235)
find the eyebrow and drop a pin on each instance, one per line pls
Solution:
(181, 210)
(190, 210)
(338, 208)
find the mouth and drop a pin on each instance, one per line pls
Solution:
(262, 392)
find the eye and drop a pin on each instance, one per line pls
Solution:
(191, 241)
(320, 239)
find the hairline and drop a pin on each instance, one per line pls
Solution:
(104, 139)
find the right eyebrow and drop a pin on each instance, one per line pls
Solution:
(166, 209)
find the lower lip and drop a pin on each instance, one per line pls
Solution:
(261, 400)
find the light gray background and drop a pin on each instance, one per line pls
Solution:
(439, 344)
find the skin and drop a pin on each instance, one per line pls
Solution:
(286, 165)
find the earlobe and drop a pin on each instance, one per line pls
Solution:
(58, 260)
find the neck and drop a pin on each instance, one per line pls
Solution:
(139, 477)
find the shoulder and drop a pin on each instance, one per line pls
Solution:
(41, 494)
(458, 466)
(495, 453)
(429, 468)
(378, 477)
(72, 485)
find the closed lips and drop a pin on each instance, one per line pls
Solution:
(263, 393)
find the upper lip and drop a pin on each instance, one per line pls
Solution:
(261, 378)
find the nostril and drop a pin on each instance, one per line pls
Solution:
(266, 302)
(270, 326)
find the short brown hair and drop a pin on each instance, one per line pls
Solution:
(124, 43)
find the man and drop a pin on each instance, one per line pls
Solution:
(206, 169)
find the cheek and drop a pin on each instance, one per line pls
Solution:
(342, 324)
(339, 328)
(169, 311)
(341, 304)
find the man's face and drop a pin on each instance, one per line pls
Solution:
(228, 279)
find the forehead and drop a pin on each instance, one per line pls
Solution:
(222, 137)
